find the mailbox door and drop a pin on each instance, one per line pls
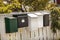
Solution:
(22, 21)
(46, 20)
(11, 25)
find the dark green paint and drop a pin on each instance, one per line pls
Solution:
(11, 25)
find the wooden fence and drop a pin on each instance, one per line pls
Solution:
(43, 33)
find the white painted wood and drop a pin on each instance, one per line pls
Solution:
(58, 34)
(17, 36)
(48, 33)
(36, 33)
(40, 19)
(28, 33)
(2, 31)
(41, 34)
(6, 37)
(20, 30)
(45, 12)
(24, 34)
(44, 33)
(32, 22)
(13, 36)
(32, 34)
(3, 37)
(2, 27)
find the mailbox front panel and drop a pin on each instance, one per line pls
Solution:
(46, 20)
(7, 25)
(22, 21)
(11, 25)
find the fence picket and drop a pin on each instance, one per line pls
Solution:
(41, 33)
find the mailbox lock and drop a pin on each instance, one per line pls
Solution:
(23, 20)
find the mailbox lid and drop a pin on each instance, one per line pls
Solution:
(45, 12)
(32, 15)
(16, 15)
(22, 21)
(38, 13)
(11, 24)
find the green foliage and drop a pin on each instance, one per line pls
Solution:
(10, 7)
(55, 14)
(15, 5)
(50, 6)
(36, 5)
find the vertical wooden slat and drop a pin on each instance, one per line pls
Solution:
(36, 35)
(24, 34)
(58, 34)
(32, 35)
(10, 36)
(44, 33)
(17, 36)
(7, 36)
(41, 34)
(3, 37)
(13, 36)
(2, 31)
(20, 32)
(48, 33)
(28, 33)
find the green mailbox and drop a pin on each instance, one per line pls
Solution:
(11, 24)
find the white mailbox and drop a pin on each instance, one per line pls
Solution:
(32, 18)
(40, 19)
(45, 18)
